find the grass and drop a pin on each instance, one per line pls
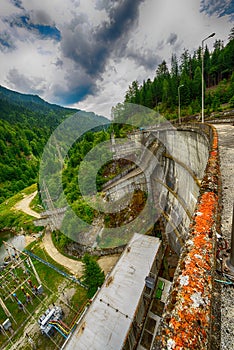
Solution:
(11, 280)
(41, 252)
(5, 235)
(55, 287)
(36, 204)
(15, 219)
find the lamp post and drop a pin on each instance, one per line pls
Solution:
(210, 36)
(179, 102)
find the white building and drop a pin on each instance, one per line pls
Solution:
(115, 318)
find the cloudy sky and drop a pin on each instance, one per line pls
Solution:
(85, 53)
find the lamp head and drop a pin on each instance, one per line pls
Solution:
(211, 35)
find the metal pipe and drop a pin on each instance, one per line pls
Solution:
(59, 330)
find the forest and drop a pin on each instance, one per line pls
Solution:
(26, 123)
(161, 93)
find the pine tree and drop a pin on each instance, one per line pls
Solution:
(231, 35)
(93, 276)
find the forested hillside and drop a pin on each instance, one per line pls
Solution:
(161, 93)
(26, 122)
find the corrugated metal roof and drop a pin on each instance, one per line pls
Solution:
(109, 317)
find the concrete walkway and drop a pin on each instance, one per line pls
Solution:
(226, 149)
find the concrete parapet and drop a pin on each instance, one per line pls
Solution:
(187, 319)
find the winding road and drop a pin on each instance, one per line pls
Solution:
(23, 205)
(75, 267)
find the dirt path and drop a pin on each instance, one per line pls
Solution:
(75, 267)
(108, 262)
(23, 205)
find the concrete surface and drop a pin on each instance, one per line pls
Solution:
(226, 149)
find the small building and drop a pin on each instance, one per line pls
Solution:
(116, 316)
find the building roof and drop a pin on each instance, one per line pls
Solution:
(108, 319)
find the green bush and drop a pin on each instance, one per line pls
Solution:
(93, 276)
(231, 102)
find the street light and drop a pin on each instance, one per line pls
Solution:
(210, 36)
(179, 102)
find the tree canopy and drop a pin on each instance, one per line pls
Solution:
(93, 276)
(161, 93)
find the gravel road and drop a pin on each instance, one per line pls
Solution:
(75, 267)
(23, 205)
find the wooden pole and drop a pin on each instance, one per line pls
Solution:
(34, 270)
(5, 309)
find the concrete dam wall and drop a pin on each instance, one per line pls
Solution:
(170, 170)
(185, 185)
(188, 320)
(179, 170)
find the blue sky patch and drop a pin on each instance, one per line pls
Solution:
(5, 43)
(219, 8)
(78, 93)
(45, 31)
(17, 3)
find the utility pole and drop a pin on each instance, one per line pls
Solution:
(210, 36)
(51, 208)
(179, 103)
(5, 309)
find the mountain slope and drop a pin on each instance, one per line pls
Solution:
(26, 122)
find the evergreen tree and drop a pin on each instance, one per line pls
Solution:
(185, 63)
(163, 89)
(196, 83)
(162, 70)
(231, 35)
(174, 66)
(93, 276)
(207, 67)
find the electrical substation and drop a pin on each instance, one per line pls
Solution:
(29, 309)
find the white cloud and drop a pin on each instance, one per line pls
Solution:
(158, 22)
(101, 49)
(35, 85)
(7, 8)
